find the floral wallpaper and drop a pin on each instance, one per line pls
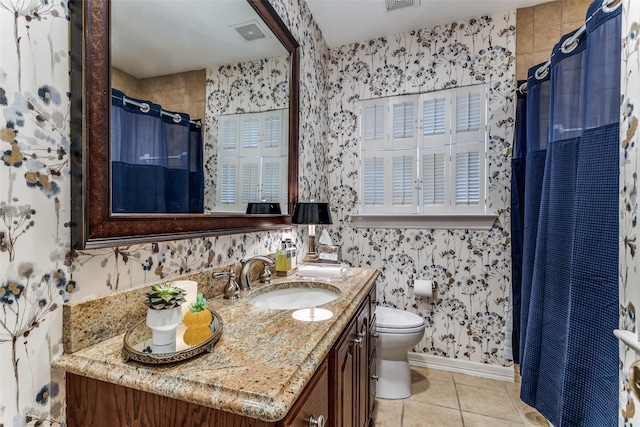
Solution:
(38, 269)
(629, 168)
(251, 87)
(34, 206)
(470, 268)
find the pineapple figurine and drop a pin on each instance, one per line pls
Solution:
(197, 321)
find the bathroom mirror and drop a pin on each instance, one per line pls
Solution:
(94, 223)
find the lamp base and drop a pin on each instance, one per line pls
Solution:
(311, 257)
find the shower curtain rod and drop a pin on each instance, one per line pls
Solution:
(145, 108)
(572, 42)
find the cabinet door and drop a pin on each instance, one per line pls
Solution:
(362, 363)
(313, 402)
(373, 366)
(343, 379)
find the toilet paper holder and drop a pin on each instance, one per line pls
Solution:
(423, 287)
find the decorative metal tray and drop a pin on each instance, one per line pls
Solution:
(138, 346)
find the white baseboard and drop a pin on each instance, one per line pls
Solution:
(494, 372)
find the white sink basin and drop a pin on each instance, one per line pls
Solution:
(294, 297)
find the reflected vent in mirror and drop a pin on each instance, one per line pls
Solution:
(250, 31)
(399, 4)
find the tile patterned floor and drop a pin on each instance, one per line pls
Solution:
(445, 399)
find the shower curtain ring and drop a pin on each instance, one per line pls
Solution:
(177, 118)
(610, 5)
(569, 45)
(145, 107)
(542, 72)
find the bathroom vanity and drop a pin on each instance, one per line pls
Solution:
(267, 369)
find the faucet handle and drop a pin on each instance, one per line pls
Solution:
(231, 291)
(265, 276)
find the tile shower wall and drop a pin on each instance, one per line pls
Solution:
(38, 270)
(470, 268)
(540, 27)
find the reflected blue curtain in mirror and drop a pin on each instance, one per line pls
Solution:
(569, 295)
(156, 159)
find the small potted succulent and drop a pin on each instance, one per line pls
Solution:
(164, 314)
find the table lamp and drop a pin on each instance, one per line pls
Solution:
(263, 208)
(311, 213)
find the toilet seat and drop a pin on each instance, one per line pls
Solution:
(391, 320)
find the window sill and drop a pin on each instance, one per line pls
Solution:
(461, 221)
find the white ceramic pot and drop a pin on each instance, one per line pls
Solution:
(163, 324)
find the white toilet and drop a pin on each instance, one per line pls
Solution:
(398, 331)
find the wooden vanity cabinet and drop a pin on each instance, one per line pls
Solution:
(341, 390)
(350, 370)
(313, 402)
(97, 403)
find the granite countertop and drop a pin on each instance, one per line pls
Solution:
(258, 368)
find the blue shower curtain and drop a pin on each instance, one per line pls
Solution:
(518, 174)
(156, 159)
(569, 291)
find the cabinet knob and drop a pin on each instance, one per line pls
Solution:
(360, 338)
(374, 377)
(316, 422)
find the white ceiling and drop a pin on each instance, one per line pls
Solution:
(177, 36)
(185, 35)
(349, 21)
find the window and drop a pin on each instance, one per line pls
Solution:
(424, 154)
(252, 159)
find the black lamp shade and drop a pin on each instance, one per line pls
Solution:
(264, 208)
(311, 213)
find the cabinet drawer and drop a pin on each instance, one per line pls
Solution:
(313, 402)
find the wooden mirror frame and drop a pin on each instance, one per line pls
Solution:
(93, 225)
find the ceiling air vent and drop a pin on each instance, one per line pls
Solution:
(250, 31)
(399, 4)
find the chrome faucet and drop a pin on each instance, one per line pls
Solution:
(265, 276)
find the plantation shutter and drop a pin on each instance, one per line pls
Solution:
(373, 181)
(435, 146)
(250, 132)
(252, 160)
(270, 181)
(424, 153)
(403, 194)
(274, 177)
(228, 133)
(467, 178)
(468, 112)
(273, 134)
(227, 185)
(434, 116)
(434, 179)
(468, 150)
(404, 118)
(249, 181)
(373, 124)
